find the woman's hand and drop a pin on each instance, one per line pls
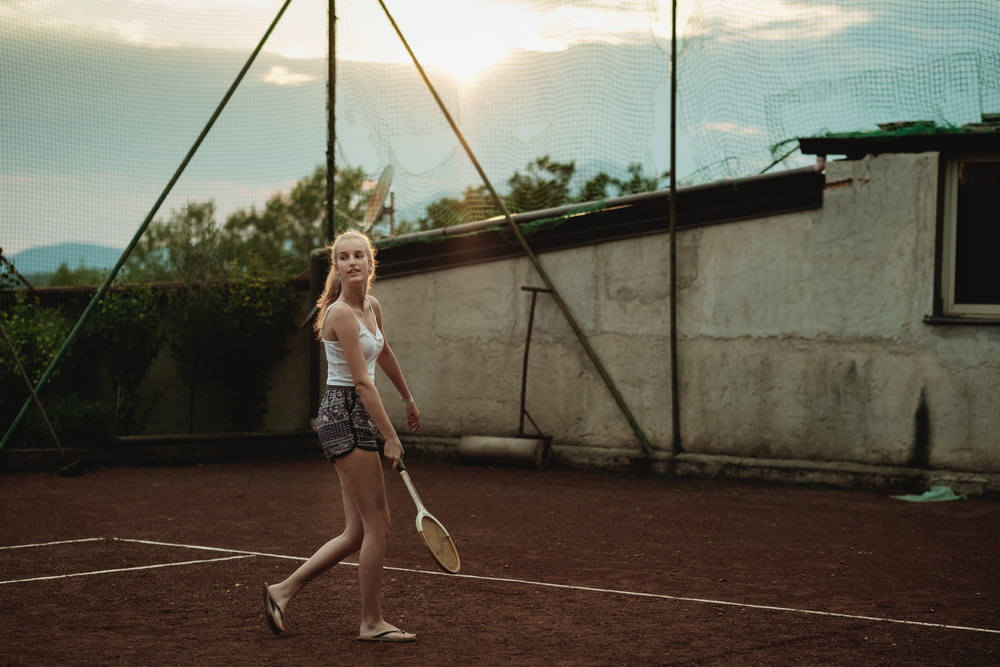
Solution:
(393, 451)
(412, 416)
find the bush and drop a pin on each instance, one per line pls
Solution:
(232, 333)
(35, 334)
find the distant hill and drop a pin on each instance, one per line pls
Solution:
(46, 259)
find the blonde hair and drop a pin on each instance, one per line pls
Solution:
(331, 290)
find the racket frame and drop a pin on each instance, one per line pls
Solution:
(422, 513)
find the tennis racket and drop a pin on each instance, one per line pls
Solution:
(433, 533)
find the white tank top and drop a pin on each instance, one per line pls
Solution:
(338, 373)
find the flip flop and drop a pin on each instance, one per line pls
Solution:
(271, 609)
(387, 637)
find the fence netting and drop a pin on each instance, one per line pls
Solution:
(100, 103)
(561, 101)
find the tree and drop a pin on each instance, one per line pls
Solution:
(596, 188)
(79, 277)
(638, 182)
(191, 246)
(275, 241)
(476, 204)
(544, 185)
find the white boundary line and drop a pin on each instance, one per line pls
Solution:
(194, 546)
(121, 569)
(240, 554)
(49, 544)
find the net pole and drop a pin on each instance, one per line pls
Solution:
(331, 128)
(567, 313)
(675, 397)
(142, 228)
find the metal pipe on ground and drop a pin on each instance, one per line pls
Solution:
(517, 452)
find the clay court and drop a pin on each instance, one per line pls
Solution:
(164, 566)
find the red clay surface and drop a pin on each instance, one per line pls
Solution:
(559, 568)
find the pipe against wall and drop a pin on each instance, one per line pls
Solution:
(518, 452)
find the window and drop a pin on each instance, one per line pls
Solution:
(970, 285)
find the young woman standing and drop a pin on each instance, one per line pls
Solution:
(351, 422)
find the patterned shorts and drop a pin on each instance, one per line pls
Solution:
(343, 423)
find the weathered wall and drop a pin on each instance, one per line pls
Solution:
(801, 337)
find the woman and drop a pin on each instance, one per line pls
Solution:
(350, 422)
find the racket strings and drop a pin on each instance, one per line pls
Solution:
(440, 544)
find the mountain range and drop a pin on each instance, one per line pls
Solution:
(47, 259)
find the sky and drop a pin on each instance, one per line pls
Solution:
(73, 93)
(101, 99)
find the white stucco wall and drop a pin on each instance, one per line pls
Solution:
(801, 337)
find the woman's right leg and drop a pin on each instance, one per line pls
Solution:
(325, 557)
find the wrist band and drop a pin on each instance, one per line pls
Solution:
(407, 400)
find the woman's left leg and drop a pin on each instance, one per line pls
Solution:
(362, 477)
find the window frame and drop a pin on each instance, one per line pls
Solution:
(949, 231)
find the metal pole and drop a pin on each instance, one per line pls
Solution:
(563, 306)
(331, 130)
(524, 364)
(675, 396)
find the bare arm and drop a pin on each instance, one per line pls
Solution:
(389, 364)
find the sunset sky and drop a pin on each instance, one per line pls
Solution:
(88, 140)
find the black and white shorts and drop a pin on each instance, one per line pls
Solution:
(343, 423)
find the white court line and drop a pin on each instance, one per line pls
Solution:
(48, 544)
(523, 582)
(194, 546)
(722, 603)
(675, 598)
(122, 569)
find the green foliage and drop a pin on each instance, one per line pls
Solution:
(189, 246)
(274, 242)
(476, 204)
(10, 279)
(349, 201)
(224, 336)
(545, 184)
(603, 186)
(92, 392)
(79, 277)
(596, 188)
(36, 334)
(123, 336)
(277, 240)
(638, 182)
(232, 335)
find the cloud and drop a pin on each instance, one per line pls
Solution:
(774, 20)
(732, 128)
(282, 76)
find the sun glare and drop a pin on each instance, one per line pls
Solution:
(463, 56)
(461, 39)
